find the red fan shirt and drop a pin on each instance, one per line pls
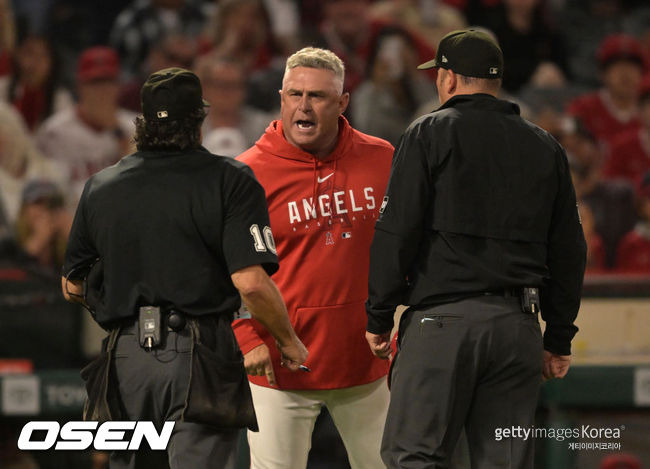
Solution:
(629, 156)
(634, 253)
(600, 117)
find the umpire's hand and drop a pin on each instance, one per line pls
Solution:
(258, 363)
(555, 366)
(379, 344)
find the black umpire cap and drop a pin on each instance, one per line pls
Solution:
(171, 94)
(468, 52)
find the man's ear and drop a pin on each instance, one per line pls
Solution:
(451, 82)
(343, 102)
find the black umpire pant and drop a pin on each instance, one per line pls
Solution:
(473, 364)
(153, 386)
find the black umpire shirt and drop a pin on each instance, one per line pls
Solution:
(170, 227)
(478, 200)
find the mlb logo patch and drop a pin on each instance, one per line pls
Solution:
(383, 205)
(346, 235)
(494, 70)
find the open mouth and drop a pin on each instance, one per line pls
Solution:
(305, 125)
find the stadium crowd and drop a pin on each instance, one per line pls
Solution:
(70, 77)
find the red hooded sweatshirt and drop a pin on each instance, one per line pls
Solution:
(323, 214)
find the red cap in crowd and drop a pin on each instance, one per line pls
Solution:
(620, 461)
(620, 47)
(98, 63)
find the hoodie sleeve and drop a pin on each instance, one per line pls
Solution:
(247, 336)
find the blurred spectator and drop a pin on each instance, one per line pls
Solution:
(33, 86)
(612, 202)
(534, 52)
(348, 30)
(637, 23)
(172, 51)
(630, 152)
(74, 26)
(311, 14)
(7, 36)
(225, 141)
(586, 23)
(285, 23)
(595, 246)
(613, 109)
(620, 461)
(37, 326)
(547, 106)
(548, 118)
(262, 88)
(242, 29)
(147, 22)
(634, 251)
(430, 19)
(95, 133)
(19, 161)
(31, 15)
(385, 103)
(230, 126)
(43, 224)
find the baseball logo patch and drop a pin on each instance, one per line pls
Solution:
(383, 205)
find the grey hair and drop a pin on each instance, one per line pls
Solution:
(314, 57)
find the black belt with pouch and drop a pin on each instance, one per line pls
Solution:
(218, 392)
(528, 296)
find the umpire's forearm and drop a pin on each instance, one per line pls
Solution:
(262, 298)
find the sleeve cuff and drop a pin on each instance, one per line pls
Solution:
(379, 322)
(557, 339)
(246, 335)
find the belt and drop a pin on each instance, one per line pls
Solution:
(505, 292)
(529, 297)
(174, 321)
(133, 328)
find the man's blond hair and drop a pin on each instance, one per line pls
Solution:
(314, 57)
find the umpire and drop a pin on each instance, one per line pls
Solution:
(478, 232)
(176, 233)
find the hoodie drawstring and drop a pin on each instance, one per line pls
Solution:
(332, 189)
(314, 197)
(315, 192)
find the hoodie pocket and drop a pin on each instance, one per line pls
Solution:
(335, 337)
